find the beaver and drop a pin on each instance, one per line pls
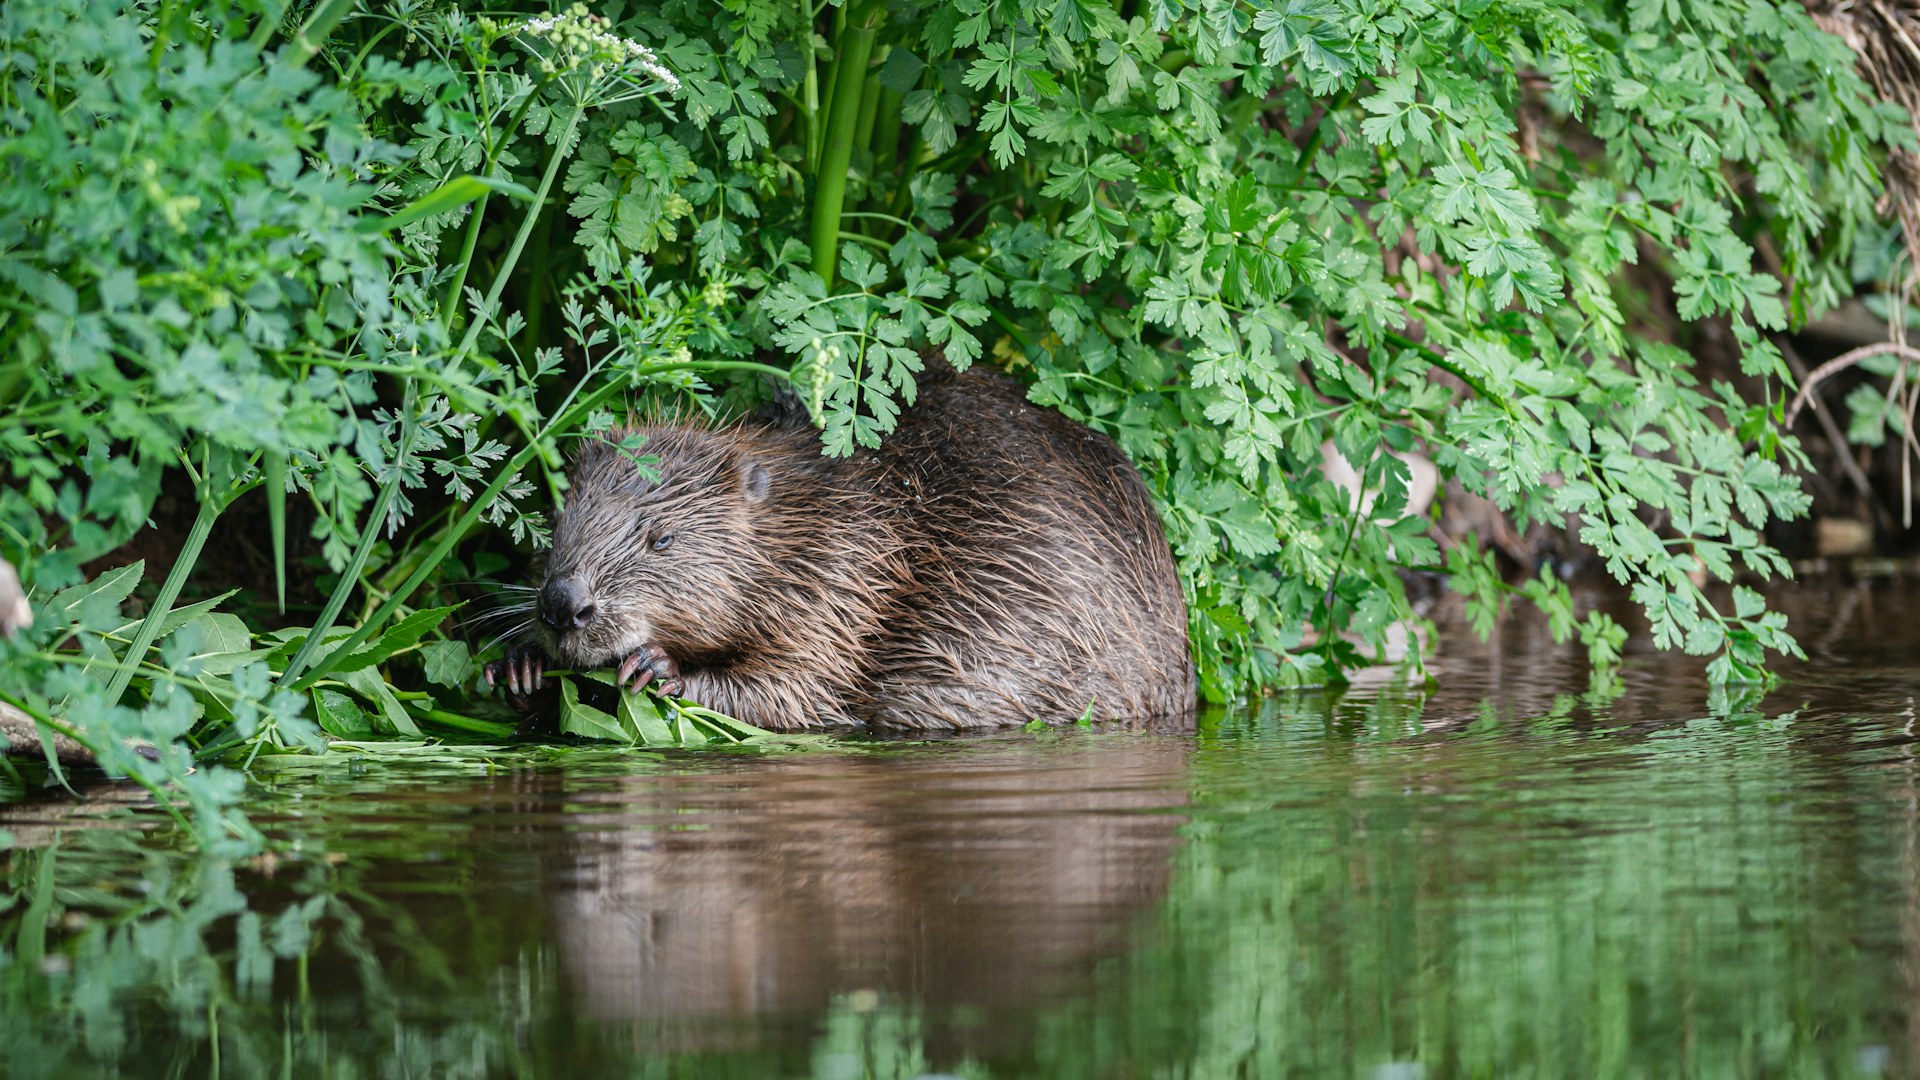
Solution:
(990, 563)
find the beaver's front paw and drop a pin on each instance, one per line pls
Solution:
(650, 663)
(523, 670)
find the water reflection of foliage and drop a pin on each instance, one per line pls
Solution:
(1520, 897)
(84, 938)
(116, 955)
(1700, 901)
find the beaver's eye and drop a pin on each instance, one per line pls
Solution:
(665, 542)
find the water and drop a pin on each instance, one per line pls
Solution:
(1515, 874)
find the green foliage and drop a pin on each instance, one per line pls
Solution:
(1228, 232)
(644, 719)
(196, 280)
(387, 264)
(172, 255)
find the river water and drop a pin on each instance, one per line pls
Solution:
(1512, 871)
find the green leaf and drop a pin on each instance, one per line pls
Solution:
(339, 716)
(402, 635)
(220, 665)
(447, 663)
(178, 617)
(578, 718)
(726, 727)
(220, 632)
(687, 731)
(451, 195)
(640, 714)
(369, 685)
(109, 588)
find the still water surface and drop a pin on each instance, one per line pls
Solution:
(1512, 873)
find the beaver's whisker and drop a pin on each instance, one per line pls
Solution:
(511, 622)
(518, 612)
(516, 605)
(508, 609)
(489, 584)
(512, 635)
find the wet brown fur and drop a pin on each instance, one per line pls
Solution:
(991, 563)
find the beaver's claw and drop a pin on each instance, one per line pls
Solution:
(524, 670)
(650, 663)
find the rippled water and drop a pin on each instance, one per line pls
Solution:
(1513, 874)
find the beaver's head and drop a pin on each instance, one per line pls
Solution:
(656, 544)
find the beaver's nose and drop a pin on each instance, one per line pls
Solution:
(565, 605)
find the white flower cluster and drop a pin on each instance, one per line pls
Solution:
(577, 31)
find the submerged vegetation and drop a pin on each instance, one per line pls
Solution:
(308, 302)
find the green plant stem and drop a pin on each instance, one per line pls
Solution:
(467, 724)
(369, 535)
(269, 22)
(519, 241)
(843, 115)
(886, 132)
(721, 365)
(1319, 135)
(863, 238)
(210, 508)
(359, 58)
(903, 192)
(162, 30)
(869, 104)
(810, 89)
(851, 215)
(1434, 357)
(838, 38)
(314, 32)
(450, 307)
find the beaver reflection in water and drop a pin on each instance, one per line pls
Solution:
(990, 564)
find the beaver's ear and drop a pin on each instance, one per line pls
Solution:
(755, 483)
